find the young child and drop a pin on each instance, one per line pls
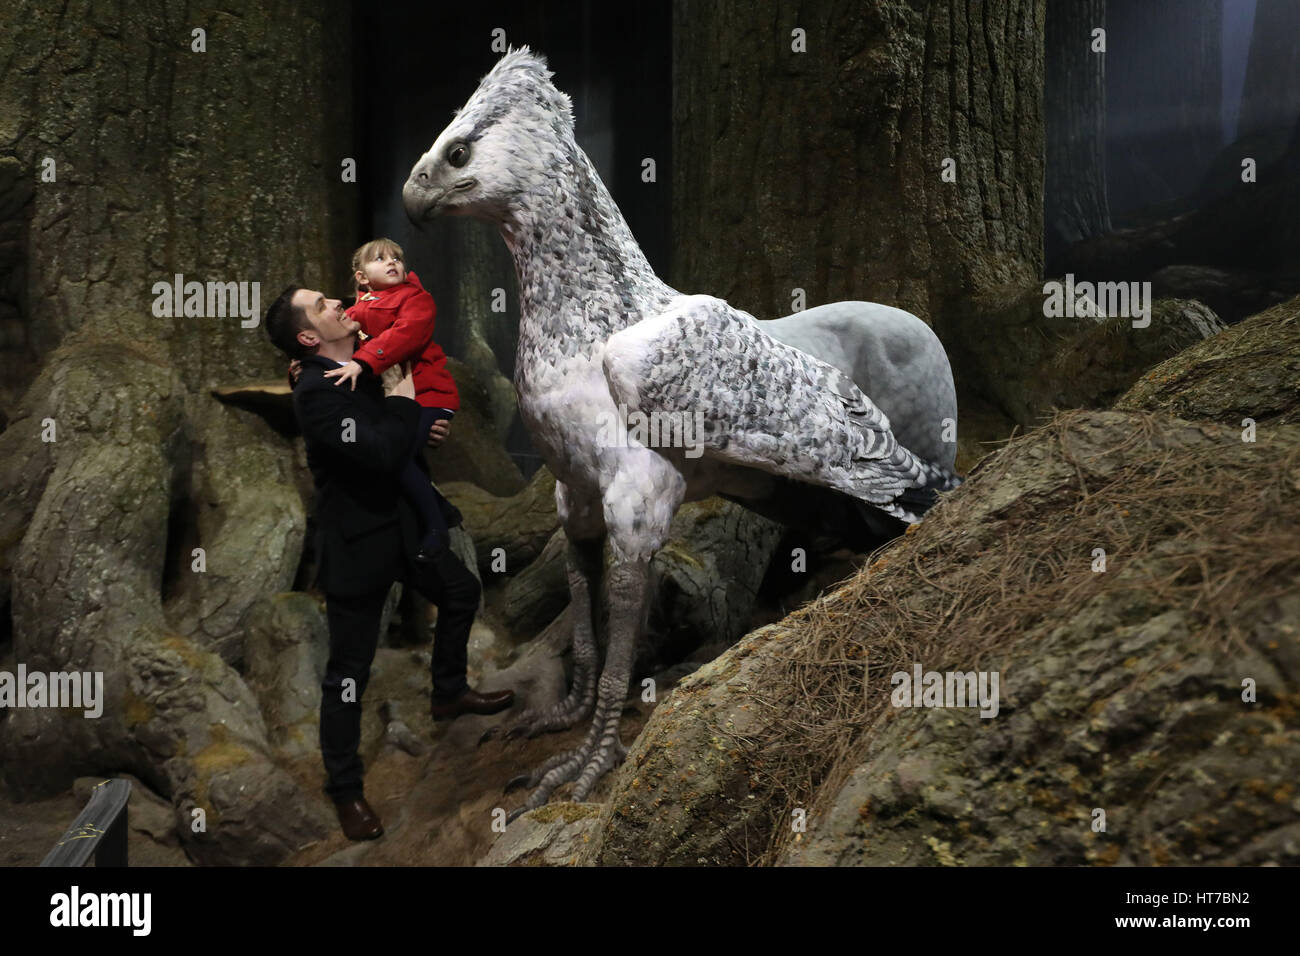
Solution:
(396, 313)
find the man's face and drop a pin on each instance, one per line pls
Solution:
(329, 323)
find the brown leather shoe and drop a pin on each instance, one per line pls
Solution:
(472, 702)
(358, 820)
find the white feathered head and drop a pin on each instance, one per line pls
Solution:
(506, 141)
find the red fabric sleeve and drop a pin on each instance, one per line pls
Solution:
(408, 335)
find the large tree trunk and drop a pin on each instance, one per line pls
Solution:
(822, 170)
(223, 166)
(1075, 97)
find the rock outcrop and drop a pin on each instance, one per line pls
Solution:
(548, 836)
(286, 647)
(1007, 353)
(1250, 371)
(87, 577)
(509, 532)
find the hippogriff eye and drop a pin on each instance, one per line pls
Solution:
(458, 155)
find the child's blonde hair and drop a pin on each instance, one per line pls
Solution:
(373, 248)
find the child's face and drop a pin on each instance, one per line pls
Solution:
(384, 269)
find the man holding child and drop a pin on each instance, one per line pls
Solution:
(369, 534)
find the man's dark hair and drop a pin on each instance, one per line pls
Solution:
(284, 321)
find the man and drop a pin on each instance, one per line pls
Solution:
(367, 537)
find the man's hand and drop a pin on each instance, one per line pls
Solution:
(347, 373)
(439, 432)
(295, 369)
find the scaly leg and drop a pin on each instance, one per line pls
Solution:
(638, 505)
(602, 749)
(584, 555)
(627, 604)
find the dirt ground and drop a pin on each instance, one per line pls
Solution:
(28, 831)
(436, 809)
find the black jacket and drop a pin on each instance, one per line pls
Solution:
(358, 442)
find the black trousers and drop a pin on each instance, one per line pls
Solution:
(354, 635)
(418, 490)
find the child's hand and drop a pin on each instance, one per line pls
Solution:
(406, 387)
(391, 378)
(438, 433)
(346, 373)
(295, 369)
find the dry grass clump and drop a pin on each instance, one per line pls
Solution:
(1188, 522)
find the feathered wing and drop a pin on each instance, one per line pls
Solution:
(765, 404)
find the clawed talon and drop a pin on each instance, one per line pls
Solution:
(599, 765)
(604, 701)
(563, 715)
(556, 771)
(529, 725)
(585, 765)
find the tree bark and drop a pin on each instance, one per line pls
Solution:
(822, 170)
(222, 165)
(1075, 97)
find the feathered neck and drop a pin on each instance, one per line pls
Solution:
(582, 275)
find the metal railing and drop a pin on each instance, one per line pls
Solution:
(99, 829)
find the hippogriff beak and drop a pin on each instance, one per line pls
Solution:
(420, 201)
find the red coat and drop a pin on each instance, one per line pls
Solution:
(399, 321)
